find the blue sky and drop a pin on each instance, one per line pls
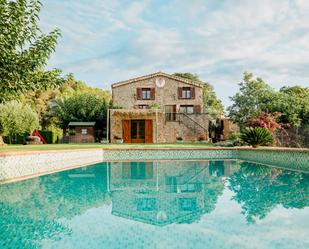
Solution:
(107, 41)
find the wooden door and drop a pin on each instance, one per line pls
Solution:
(126, 129)
(148, 131)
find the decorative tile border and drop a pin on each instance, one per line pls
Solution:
(31, 165)
(24, 165)
(287, 159)
(166, 154)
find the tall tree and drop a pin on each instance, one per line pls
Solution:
(251, 100)
(24, 49)
(255, 97)
(81, 107)
(293, 103)
(211, 104)
(42, 101)
(189, 76)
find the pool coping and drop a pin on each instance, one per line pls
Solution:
(29, 152)
(21, 165)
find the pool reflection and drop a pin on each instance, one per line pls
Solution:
(162, 193)
(157, 193)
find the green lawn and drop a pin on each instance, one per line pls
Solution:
(97, 145)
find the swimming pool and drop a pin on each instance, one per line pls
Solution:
(158, 204)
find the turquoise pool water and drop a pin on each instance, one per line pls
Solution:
(162, 204)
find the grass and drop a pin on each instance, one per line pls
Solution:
(18, 147)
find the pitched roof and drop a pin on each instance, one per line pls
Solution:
(81, 123)
(158, 74)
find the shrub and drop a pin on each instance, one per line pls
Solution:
(235, 139)
(16, 118)
(256, 136)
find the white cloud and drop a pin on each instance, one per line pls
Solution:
(218, 40)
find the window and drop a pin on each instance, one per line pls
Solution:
(137, 170)
(146, 204)
(170, 112)
(171, 184)
(186, 93)
(187, 204)
(84, 131)
(189, 109)
(146, 93)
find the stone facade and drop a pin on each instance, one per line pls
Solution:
(166, 98)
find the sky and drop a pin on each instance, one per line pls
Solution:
(105, 41)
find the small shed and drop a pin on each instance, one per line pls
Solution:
(81, 132)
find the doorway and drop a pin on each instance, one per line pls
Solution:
(137, 131)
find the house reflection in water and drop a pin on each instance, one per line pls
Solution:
(166, 192)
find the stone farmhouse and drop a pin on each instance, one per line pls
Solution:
(158, 108)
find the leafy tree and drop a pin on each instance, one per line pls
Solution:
(293, 104)
(17, 118)
(211, 104)
(24, 49)
(189, 76)
(256, 97)
(251, 100)
(44, 100)
(80, 107)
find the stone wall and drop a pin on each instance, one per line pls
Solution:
(125, 95)
(228, 128)
(168, 131)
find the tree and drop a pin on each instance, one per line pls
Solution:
(24, 49)
(251, 100)
(256, 97)
(42, 101)
(17, 118)
(189, 76)
(293, 103)
(211, 104)
(80, 107)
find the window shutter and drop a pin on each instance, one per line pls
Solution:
(138, 93)
(152, 93)
(148, 131)
(198, 109)
(179, 92)
(192, 92)
(126, 131)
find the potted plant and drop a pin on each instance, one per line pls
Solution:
(179, 139)
(202, 139)
(118, 140)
